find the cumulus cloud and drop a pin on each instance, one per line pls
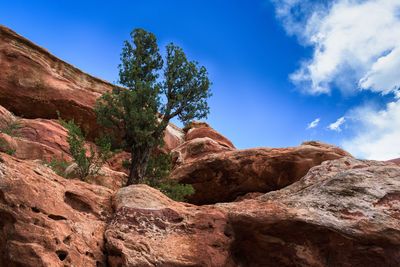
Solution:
(353, 41)
(356, 46)
(378, 134)
(336, 126)
(314, 123)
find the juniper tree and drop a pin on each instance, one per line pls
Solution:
(142, 110)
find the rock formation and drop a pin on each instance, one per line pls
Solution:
(47, 220)
(309, 206)
(32, 77)
(231, 173)
(342, 213)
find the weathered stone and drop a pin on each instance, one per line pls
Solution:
(47, 220)
(149, 229)
(343, 213)
(223, 176)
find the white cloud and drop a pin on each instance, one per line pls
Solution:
(378, 132)
(314, 123)
(356, 46)
(353, 41)
(337, 124)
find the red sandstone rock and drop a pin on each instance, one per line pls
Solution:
(223, 176)
(397, 161)
(194, 149)
(343, 213)
(173, 137)
(202, 129)
(46, 220)
(36, 84)
(148, 229)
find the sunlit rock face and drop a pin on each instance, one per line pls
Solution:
(232, 173)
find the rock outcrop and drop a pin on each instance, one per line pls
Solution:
(309, 206)
(47, 220)
(36, 84)
(32, 77)
(33, 139)
(223, 176)
(344, 212)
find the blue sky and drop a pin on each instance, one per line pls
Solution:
(250, 49)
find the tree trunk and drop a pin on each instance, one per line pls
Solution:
(139, 160)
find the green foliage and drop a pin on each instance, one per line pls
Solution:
(176, 191)
(58, 166)
(157, 172)
(12, 128)
(142, 111)
(5, 147)
(158, 169)
(88, 162)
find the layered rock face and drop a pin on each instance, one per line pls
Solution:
(231, 173)
(32, 77)
(36, 84)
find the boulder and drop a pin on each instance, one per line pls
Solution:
(149, 229)
(343, 213)
(223, 176)
(47, 220)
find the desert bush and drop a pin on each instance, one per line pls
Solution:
(58, 166)
(157, 172)
(175, 191)
(5, 147)
(11, 128)
(88, 162)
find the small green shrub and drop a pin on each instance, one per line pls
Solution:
(4, 146)
(157, 172)
(88, 163)
(12, 128)
(176, 191)
(58, 166)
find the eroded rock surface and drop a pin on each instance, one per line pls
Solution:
(344, 212)
(149, 229)
(233, 173)
(47, 220)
